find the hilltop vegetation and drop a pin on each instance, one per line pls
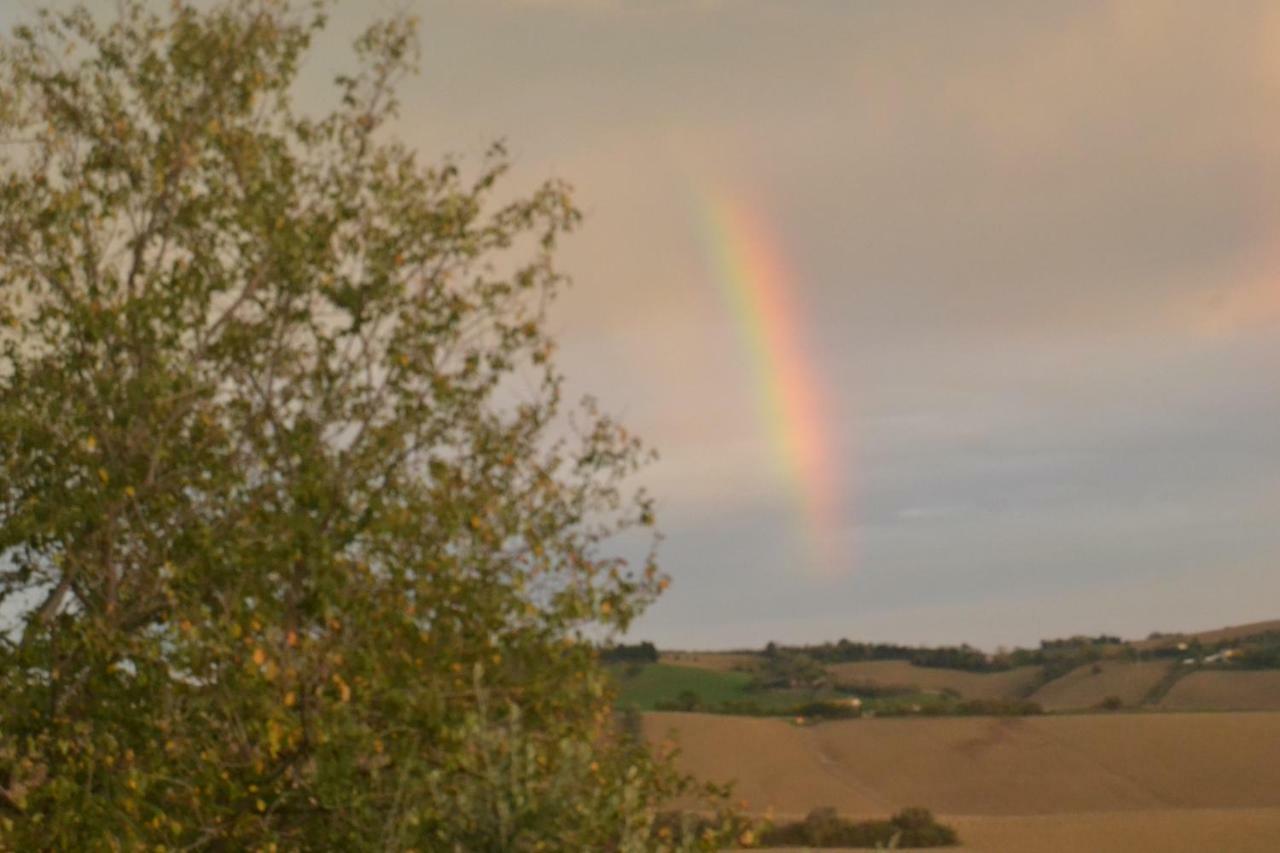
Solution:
(1228, 669)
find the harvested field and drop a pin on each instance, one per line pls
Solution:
(989, 766)
(1219, 690)
(715, 661)
(1161, 831)
(1084, 688)
(1013, 684)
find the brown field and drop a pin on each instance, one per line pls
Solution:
(1217, 635)
(1119, 782)
(1165, 831)
(1083, 688)
(1217, 690)
(716, 661)
(1013, 684)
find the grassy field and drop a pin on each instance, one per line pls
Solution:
(1220, 690)
(1013, 684)
(1089, 685)
(643, 687)
(1091, 782)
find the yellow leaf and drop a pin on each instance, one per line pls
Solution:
(104, 476)
(259, 656)
(90, 444)
(289, 699)
(128, 490)
(262, 807)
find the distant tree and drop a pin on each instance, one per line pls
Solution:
(289, 555)
(643, 652)
(790, 669)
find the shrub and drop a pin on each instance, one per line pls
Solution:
(823, 827)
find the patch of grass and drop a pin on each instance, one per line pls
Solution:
(662, 686)
(643, 688)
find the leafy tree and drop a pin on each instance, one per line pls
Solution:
(298, 547)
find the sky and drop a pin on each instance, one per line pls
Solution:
(995, 359)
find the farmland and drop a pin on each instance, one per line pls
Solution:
(1151, 745)
(1090, 685)
(1082, 782)
(644, 687)
(1225, 690)
(1235, 668)
(650, 687)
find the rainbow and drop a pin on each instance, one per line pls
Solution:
(757, 286)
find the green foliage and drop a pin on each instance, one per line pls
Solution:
(963, 657)
(785, 669)
(289, 550)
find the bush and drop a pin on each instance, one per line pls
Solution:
(823, 827)
(688, 700)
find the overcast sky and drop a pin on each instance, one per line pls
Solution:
(1035, 253)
